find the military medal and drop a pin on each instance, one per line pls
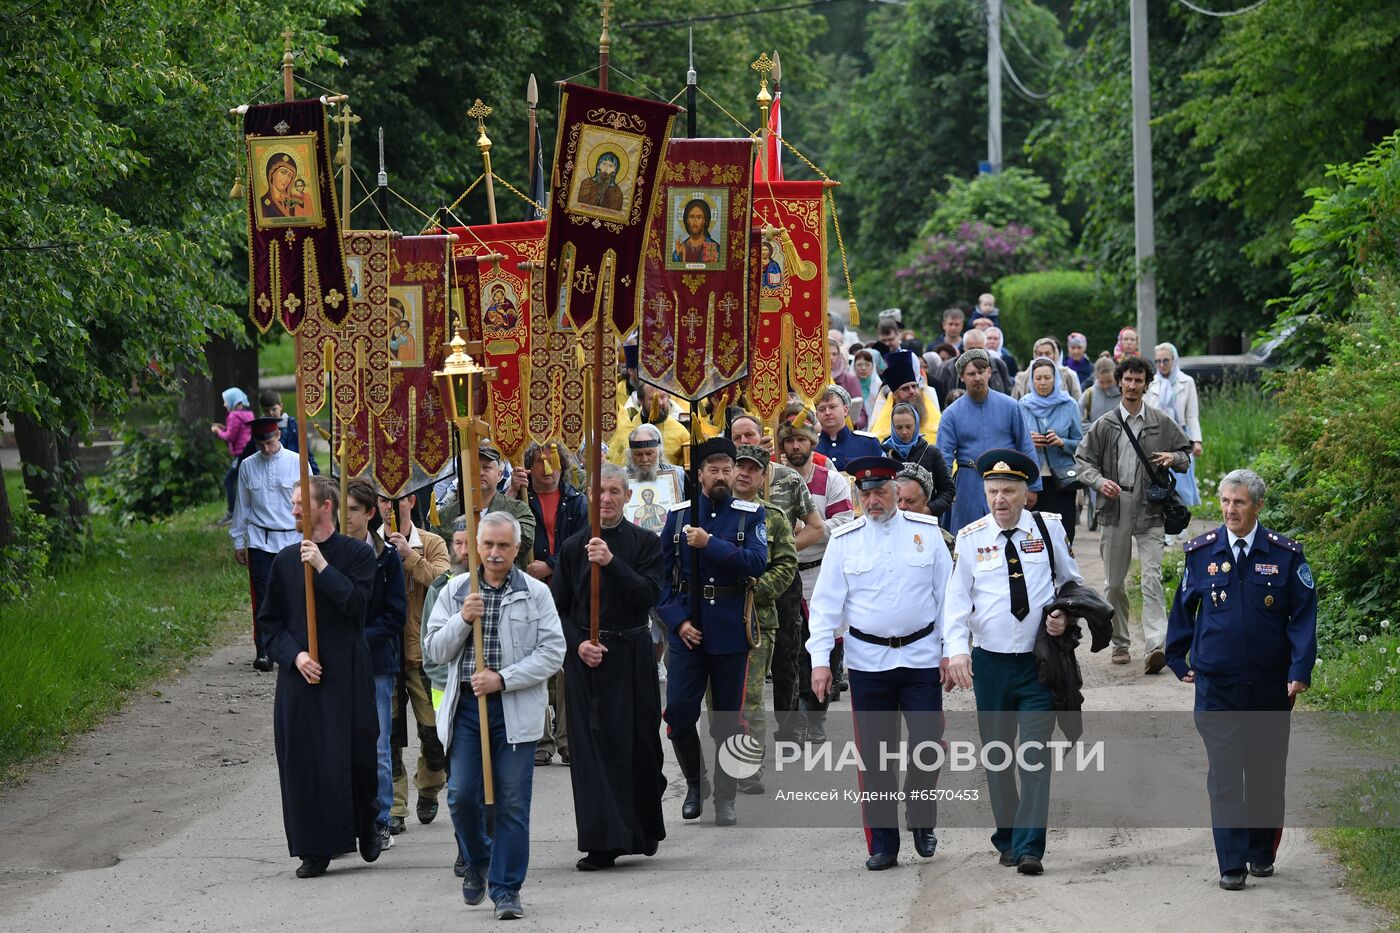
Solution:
(919, 543)
(1213, 567)
(1225, 566)
(1224, 595)
(1268, 600)
(1266, 570)
(980, 552)
(1215, 597)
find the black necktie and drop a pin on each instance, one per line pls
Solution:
(1020, 599)
(1240, 550)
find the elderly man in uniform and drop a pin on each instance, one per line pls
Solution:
(711, 650)
(785, 489)
(837, 441)
(885, 576)
(262, 516)
(1009, 565)
(1243, 629)
(750, 470)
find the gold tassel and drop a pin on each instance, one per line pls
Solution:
(551, 460)
(433, 517)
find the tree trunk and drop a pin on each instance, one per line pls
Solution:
(53, 476)
(7, 526)
(230, 364)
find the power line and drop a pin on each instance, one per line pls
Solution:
(1011, 73)
(1006, 20)
(688, 20)
(1240, 12)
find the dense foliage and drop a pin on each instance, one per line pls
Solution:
(1055, 303)
(951, 269)
(162, 471)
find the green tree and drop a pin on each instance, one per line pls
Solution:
(115, 221)
(1206, 285)
(1289, 89)
(1014, 196)
(919, 115)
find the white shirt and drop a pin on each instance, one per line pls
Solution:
(979, 596)
(831, 494)
(262, 511)
(1129, 463)
(1247, 539)
(885, 578)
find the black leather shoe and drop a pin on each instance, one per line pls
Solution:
(372, 845)
(312, 867)
(427, 809)
(724, 813)
(1007, 859)
(473, 886)
(925, 842)
(1261, 871)
(1232, 881)
(596, 861)
(1029, 865)
(459, 867)
(694, 804)
(262, 663)
(750, 786)
(882, 860)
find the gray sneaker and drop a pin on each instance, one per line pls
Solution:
(508, 907)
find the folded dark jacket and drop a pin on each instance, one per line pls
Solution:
(1054, 654)
(1083, 602)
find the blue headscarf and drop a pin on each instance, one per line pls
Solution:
(1043, 405)
(892, 442)
(234, 397)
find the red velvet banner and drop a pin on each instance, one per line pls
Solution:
(606, 159)
(296, 266)
(503, 311)
(693, 305)
(789, 344)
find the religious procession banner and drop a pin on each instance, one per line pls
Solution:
(560, 367)
(296, 265)
(789, 340)
(410, 443)
(355, 353)
(694, 301)
(502, 314)
(606, 160)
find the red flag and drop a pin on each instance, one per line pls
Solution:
(774, 146)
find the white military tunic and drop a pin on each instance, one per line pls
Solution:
(979, 596)
(887, 579)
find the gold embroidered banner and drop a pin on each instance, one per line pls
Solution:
(356, 353)
(606, 159)
(693, 304)
(296, 266)
(504, 311)
(789, 341)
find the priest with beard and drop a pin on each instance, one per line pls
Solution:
(613, 697)
(325, 726)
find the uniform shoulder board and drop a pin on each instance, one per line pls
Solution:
(921, 517)
(849, 527)
(1199, 541)
(865, 434)
(743, 505)
(973, 526)
(680, 505)
(1285, 541)
(1054, 516)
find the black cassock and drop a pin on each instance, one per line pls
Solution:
(614, 709)
(325, 733)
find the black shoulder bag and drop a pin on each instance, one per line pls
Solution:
(1175, 516)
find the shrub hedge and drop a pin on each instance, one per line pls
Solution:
(1056, 302)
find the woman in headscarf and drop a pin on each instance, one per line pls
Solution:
(236, 432)
(1127, 344)
(1052, 418)
(842, 376)
(907, 445)
(868, 383)
(1174, 392)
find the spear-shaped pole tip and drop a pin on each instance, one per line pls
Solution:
(532, 92)
(777, 68)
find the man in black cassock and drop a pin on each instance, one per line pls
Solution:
(324, 722)
(612, 696)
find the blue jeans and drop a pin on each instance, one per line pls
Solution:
(513, 767)
(384, 685)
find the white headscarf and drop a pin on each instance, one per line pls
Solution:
(1166, 385)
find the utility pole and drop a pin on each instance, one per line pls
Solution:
(994, 85)
(1144, 239)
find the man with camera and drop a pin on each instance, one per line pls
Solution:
(1131, 502)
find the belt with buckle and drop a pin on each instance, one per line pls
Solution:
(896, 641)
(809, 565)
(710, 591)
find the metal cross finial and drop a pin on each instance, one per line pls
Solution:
(287, 39)
(480, 111)
(764, 66)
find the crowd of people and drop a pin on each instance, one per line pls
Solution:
(909, 533)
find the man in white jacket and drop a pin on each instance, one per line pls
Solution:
(523, 644)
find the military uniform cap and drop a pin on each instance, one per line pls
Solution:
(752, 452)
(714, 447)
(869, 472)
(266, 427)
(1007, 464)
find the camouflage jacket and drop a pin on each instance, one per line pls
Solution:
(782, 567)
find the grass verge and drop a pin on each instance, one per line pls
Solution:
(278, 356)
(140, 600)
